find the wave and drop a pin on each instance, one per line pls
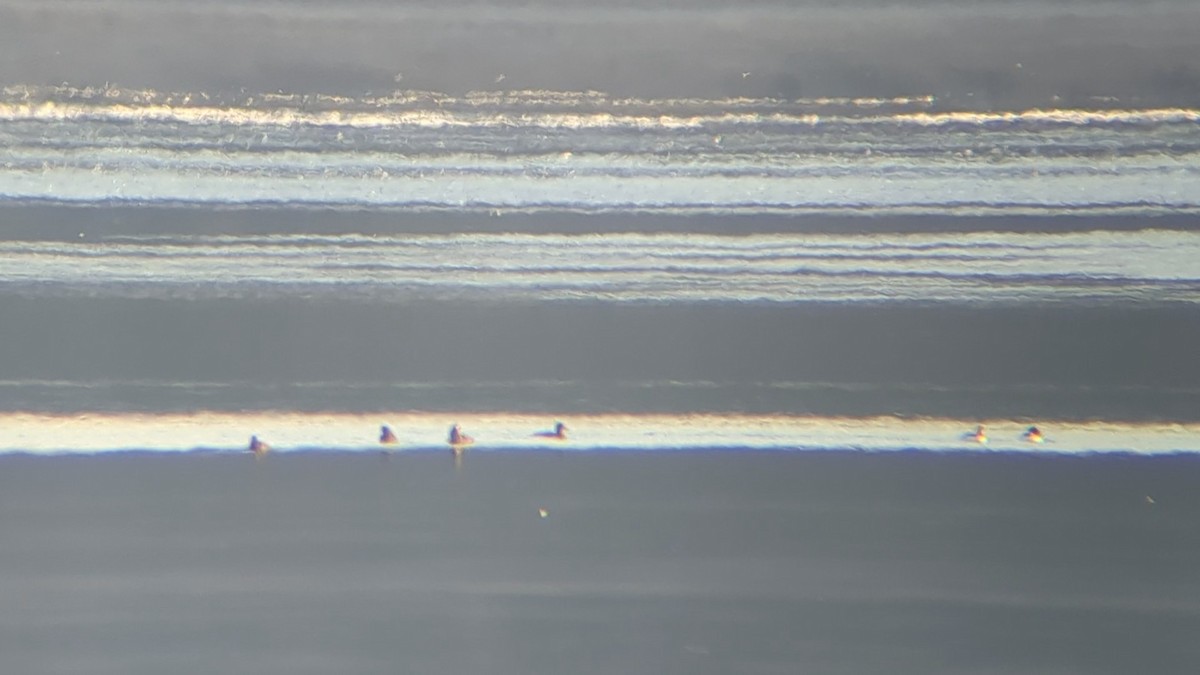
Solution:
(537, 109)
(548, 152)
(1148, 265)
(291, 431)
(1150, 196)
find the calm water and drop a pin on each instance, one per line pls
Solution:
(771, 264)
(645, 563)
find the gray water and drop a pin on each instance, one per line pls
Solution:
(862, 225)
(580, 252)
(681, 562)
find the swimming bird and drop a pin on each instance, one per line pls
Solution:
(258, 446)
(457, 437)
(1033, 435)
(979, 435)
(458, 441)
(559, 432)
(386, 436)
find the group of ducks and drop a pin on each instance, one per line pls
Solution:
(1031, 435)
(458, 440)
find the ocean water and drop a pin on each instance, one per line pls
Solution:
(772, 265)
(682, 562)
(577, 253)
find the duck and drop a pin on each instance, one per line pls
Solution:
(458, 438)
(979, 435)
(559, 432)
(458, 442)
(386, 436)
(1033, 435)
(259, 446)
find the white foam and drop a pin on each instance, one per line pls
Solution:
(1151, 265)
(527, 109)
